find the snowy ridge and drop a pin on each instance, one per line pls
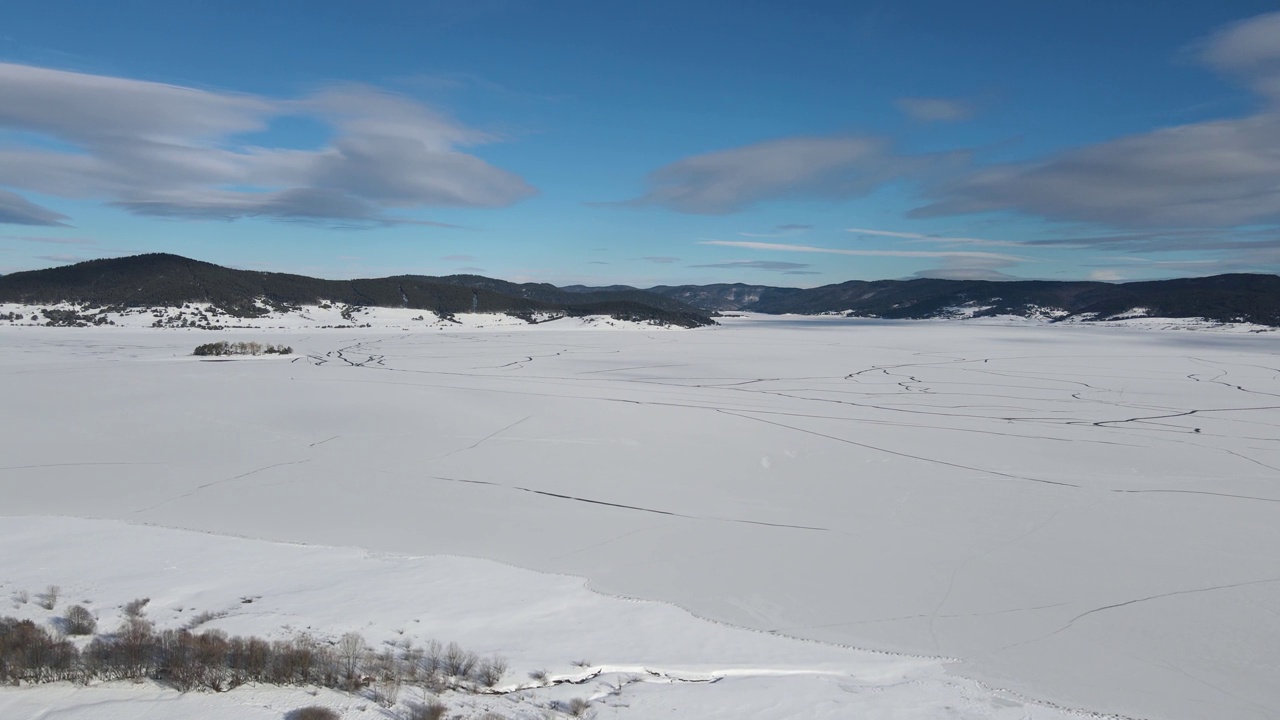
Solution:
(325, 316)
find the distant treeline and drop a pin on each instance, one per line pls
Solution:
(1251, 298)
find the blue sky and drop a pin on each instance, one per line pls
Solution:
(646, 143)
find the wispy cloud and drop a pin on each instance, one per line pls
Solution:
(459, 258)
(661, 259)
(181, 152)
(780, 231)
(969, 268)
(783, 247)
(727, 181)
(935, 109)
(17, 210)
(789, 268)
(1220, 173)
(49, 240)
(63, 258)
(942, 239)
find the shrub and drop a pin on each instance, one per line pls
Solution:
(314, 712)
(577, 707)
(431, 710)
(204, 617)
(135, 608)
(184, 660)
(490, 671)
(49, 597)
(28, 652)
(80, 621)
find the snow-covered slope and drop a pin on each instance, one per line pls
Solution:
(629, 659)
(328, 316)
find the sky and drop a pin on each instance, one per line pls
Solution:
(658, 142)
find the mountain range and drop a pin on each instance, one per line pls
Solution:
(170, 280)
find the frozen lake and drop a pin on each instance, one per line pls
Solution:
(1088, 516)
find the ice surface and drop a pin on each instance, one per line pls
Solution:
(1086, 515)
(665, 657)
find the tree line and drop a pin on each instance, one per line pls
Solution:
(212, 660)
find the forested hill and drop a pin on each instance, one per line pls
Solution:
(169, 280)
(1226, 298)
(164, 280)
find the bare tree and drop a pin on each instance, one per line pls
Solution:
(459, 663)
(387, 678)
(490, 672)
(350, 652)
(80, 621)
(49, 597)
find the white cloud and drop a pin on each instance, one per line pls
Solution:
(173, 151)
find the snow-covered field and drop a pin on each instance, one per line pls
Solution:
(1083, 515)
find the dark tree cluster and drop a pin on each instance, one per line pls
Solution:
(71, 318)
(240, 348)
(211, 660)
